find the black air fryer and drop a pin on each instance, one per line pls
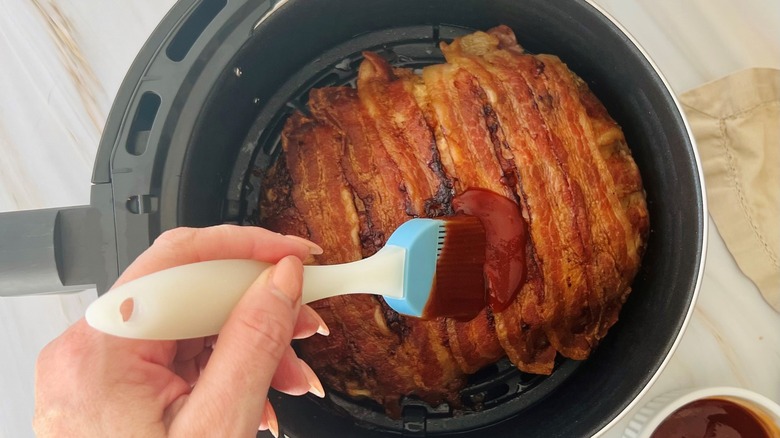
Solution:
(196, 123)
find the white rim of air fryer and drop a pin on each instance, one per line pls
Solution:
(705, 226)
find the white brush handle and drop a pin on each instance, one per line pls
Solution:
(195, 300)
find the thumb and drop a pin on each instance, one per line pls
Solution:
(232, 390)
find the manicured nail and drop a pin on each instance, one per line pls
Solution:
(267, 277)
(322, 328)
(313, 247)
(285, 279)
(264, 418)
(314, 382)
(270, 417)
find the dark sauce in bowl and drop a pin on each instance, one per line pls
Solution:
(715, 418)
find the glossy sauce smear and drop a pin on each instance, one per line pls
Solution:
(505, 231)
(714, 418)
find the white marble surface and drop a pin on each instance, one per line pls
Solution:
(61, 62)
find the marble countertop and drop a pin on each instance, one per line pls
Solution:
(61, 63)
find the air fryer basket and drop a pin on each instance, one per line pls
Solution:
(299, 47)
(494, 393)
(196, 122)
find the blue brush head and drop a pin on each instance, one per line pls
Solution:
(422, 239)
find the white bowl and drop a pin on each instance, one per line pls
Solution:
(652, 414)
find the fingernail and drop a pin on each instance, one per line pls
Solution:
(273, 423)
(264, 417)
(322, 328)
(313, 247)
(285, 279)
(314, 382)
(267, 277)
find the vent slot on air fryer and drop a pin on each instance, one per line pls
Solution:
(145, 113)
(195, 24)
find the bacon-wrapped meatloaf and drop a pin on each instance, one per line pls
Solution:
(402, 145)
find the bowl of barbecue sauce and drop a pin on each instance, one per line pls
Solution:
(718, 412)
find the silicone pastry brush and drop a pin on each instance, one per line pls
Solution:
(427, 269)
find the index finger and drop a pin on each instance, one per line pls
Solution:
(181, 246)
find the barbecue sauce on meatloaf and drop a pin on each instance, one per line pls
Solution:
(402, 145)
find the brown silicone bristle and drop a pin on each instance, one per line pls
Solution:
(459, 284)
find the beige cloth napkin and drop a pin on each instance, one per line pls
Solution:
(736, 122)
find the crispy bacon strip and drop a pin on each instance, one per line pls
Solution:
(277, 209)
(537, 153)
(419, 347)
(455, 105)
(605, 238)
(405, 135)
(474, 344)
(586, 133)
(458, 104)
(369, 170)
(618, 225)
(319, 190)
(471, 138)
(322, 197)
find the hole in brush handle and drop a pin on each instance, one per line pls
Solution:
(126, 309)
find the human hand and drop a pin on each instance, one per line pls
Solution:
(89, 383)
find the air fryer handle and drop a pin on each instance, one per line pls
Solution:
(50, 250)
